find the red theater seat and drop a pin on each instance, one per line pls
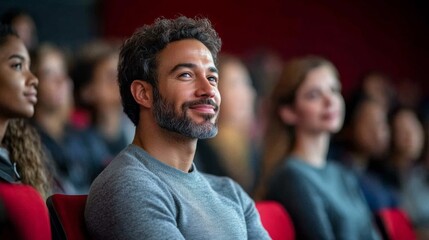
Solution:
(396, 224)
(276, 220)
(67, 216)
(25, 212)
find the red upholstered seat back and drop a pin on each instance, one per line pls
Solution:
(396, 224)
(276, 220)
(67, 215)
(26, 213)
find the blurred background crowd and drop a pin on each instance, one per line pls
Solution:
(379, 48)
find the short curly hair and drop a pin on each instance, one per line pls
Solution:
(138, 54)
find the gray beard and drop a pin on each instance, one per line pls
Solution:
(167, 119)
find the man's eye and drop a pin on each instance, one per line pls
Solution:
(185, 75)
(212, 79)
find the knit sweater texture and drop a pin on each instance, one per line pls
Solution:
(139, 197)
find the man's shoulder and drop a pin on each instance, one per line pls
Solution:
(224, 185)
(124, 170)
(218, 180)
(124, 182)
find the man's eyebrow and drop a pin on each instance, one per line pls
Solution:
(191, 65)
(213, 69)
(182, 65)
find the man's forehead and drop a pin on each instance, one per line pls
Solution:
(184, 51)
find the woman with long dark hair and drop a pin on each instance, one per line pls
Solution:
(20, 149)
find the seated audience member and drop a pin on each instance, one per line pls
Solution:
(377, 86)
(97, 92)
(21, 157)
(364, 145)
(406, 147)
(415, 193)
(72, 158)
(323, 199)
(233, 148)
(152, 190)
(264, 67)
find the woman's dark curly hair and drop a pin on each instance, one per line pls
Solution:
(138, 54)
(24, 146)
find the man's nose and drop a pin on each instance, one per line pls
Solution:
(205, 88)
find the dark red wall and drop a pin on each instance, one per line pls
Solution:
(390, 36)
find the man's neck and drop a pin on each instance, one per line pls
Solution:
(170, 148)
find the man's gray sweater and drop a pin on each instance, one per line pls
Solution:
(139, 197)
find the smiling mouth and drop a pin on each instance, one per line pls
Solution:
(205, 106)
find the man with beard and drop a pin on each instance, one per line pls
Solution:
(152, 190)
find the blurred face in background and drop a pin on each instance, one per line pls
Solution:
(377, 88)
(26, 30)
(319, 105)
(371, 132)
(407, 134)
(103, 90)
(238, 94)
(55, 86)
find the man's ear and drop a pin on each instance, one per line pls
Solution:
(287, 114)
(142, 93)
